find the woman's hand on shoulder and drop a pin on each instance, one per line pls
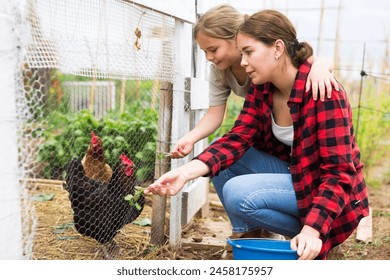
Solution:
(321, 79)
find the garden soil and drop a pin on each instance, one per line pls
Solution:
(202, 239)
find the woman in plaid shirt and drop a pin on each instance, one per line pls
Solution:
(318, 195)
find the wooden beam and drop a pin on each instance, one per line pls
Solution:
(162, 165)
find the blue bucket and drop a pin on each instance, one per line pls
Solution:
(262, 249)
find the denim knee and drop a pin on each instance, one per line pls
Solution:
(231, 194)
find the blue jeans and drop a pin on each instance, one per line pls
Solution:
(257, 192)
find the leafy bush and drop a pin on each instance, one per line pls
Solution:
(68, 136)
(234, 106)
(372, 127)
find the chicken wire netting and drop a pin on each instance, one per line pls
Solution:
(94, 109)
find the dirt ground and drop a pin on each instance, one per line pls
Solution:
(203, 239)
(379, 248)
(352, 249)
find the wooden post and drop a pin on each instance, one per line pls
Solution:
(385, 62)
(162, 165)
(336, 59)
(122, 98)
(319, 41)
(92, 94)
(138, 89)
(156, 86)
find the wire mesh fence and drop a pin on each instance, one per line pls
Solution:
(94, 115)
(79, 96)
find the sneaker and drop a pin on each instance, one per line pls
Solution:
(260, 233)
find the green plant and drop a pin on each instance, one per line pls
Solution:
(372, 125)
(68, 136)
(134, 198)
(234, 106)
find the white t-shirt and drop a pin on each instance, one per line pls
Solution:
(284, 134)
(220, 91)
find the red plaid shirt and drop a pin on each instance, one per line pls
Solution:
(324, 159)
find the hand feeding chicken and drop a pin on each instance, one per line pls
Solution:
(100, 209)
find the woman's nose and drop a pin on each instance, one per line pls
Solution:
(243, 62)
(209, 57)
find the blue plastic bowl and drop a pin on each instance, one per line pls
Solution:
(262, 249)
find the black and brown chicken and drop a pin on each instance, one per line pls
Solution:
(100, 209)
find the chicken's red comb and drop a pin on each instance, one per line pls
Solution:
(94, 138)
(125, 159)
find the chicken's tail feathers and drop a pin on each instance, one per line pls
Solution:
(66, 186)
(74, 171)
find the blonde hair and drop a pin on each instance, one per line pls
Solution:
(221, 22)
(267, 26)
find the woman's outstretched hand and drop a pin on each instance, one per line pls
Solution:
(173, 181)
(168, 184)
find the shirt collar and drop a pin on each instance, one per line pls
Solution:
(298, 88)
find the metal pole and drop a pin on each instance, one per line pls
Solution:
(362, 74)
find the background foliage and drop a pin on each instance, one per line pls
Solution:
(67, 135)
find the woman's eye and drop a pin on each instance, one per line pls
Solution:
(210, 51)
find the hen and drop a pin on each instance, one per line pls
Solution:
(94, 163)
(100, 209)
(124, 179)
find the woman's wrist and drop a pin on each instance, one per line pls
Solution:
(182, 174)
(310, 231)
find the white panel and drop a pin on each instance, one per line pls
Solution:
(194, 197)
(199, 94)
(10, 219)
(181, 9)
(179, 118)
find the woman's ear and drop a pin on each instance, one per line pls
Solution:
(279, 48)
